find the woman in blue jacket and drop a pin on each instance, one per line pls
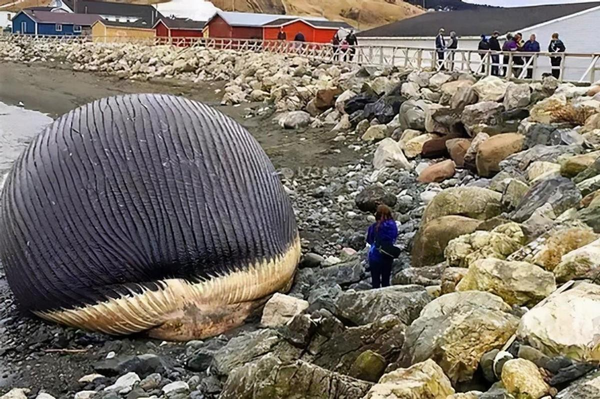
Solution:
(383, 231)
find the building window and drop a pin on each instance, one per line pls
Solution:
(23, 27)
(58, 28)
(77, 28)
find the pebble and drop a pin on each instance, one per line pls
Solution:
(124, 384)
(84, 394)
(90, 378)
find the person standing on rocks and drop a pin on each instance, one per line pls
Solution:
(440, 47)
(556, 46)
(495, 46)
(381, 235)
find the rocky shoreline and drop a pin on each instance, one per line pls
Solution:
(495, 187)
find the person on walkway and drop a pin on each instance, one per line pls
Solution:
(495, 46)
(383, 232)
(452, 48)
(281, 35)
(556, 46)
(483, 47)
(530, 46)
(510, 45)
(440, 47)
(518, 60)
(352, 42)
(345, 49)
(336, 46)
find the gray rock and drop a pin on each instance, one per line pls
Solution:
(311, 260)
(487, 365)
(561, 193)
(295, 120)
(143, 365)
(442, 120)
(372, 196)
(478, 117)
(522, 160)
(151, 382)
(173, 389)
(124, 384)
(517, 96)
(497, 391)
(540, 133)
(585, 388)
(425, 276)
(363, 307)
(412, 115)
(270, 377)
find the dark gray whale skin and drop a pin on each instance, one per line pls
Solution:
(126, 191)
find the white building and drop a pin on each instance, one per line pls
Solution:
(578, 25)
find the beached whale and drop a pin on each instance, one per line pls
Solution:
(146, 213)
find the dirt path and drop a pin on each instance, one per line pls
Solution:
(56, 91)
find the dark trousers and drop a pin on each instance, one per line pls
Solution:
(495, 65)
(440, 60)
(556, 61)
(529, 68)
(381, 272)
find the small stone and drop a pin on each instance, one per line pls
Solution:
(124, 384)
(86, 379)
(280, 309)
(85, 394)
(175, 388)
(151, 382)
(375, 133)
(44, 395)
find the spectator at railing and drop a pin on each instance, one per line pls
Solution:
(495, 46)
(345, 49)
(530, 46)
(556, 46)
(352, 42)
(452, 47)
(440, 47)
(518, 60)
(483, 47)
(336, 46)
(509, 46)
(281, 35)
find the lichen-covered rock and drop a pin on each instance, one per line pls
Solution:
(567, 324)
(513, 194)
(584, 388)
(562, 242)
(456, 329)
(517, 96)
(498, 243)
(491, 88)
(523, 379)
(422, 380)
(414, 146)
(576, 164)
(477, 116)
(580, 263)
(363, 307)
(375, 133)
(517, 283)
(433, 237)
(368, 366)
(542, 112)
(496, 149)
(474, 202)
(280, 309)
(451, 277)
(270, 377)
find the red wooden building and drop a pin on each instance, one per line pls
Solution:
(314, 31)
(240, 25)
(179, 27)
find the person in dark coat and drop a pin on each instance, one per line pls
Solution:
(530, 46)
(483, 47)
(556, 46)
(495, 46)
(383, 231)
(440, 48)
(518, 60)
(281, 35)
(352, 42)
(336, 46)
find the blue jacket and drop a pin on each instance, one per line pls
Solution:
(387, 233)
(531, 47)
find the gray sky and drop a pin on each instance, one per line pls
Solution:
(521, 3)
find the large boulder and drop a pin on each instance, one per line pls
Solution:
(457, 148)
(478, 117)
(576, 164)
(559, 242)
(464, 96)
(491, 88)
(325, 98)
(438, 172)
(473, 202)
(580, 263)
(496, 149)
(414, 146)
(422, 380)
(438, 80)
(471, 154)
(340, 102)
(280, 309)
(411, 90)
(375, 133)
(543, 111)
(435, 147)
(517, 283)
(363, 307)
(523, 379)
(567, 324)
(358, 103)
(412, 115)
(372, 196)
(498, 244)
(541, 133)
(442, 120)
(456, 329)
(517, 96)
(270, 377)
(584, 388)
(389, 154)
(521, 161)
(433, 237)
(450, 89)
(384, 109)
(295, 120)
(561, 193)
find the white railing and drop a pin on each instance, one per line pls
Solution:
(582, 68)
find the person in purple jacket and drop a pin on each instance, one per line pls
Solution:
(509, 45)
(383, 231)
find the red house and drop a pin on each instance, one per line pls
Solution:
(179, 27)
(314, 31)
(242, 25)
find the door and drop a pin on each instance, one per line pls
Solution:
(23, 27)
